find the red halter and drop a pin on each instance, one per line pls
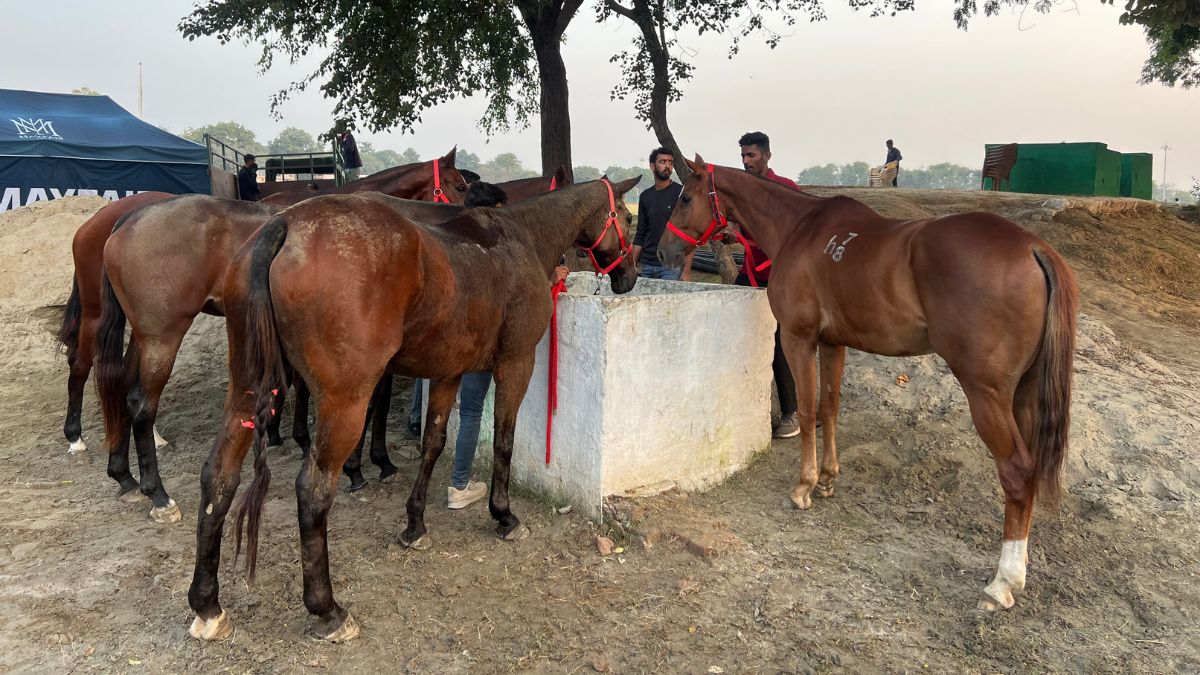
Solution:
(553, 183)
(438, 195)
(610, 222)
(715, 232)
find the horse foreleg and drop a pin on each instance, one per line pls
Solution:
(218, 482)
(441, 400)
(801, 357)
(339, 425)
(833, 362)
(381, 403)
(300, 419)
(512, 380)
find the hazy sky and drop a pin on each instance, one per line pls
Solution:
(831, 92)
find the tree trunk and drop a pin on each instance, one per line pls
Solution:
(651, 22)
(546, 22)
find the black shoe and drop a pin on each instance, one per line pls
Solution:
(414, 429)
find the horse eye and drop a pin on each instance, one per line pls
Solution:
(462, 188)
(686, 198)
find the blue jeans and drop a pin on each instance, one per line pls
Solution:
(656, 271)
(472, 390)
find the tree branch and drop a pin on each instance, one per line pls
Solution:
(620, 9)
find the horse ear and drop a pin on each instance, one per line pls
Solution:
(604, 177)
(448, 160)
(694, 166)
(626, 185)
(560, 177)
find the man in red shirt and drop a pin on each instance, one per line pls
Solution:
(756, 155)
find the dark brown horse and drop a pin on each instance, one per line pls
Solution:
(81, 317)
(164, 265)
(82, 314)
(437, 303)
(377, 412)
(993, 300)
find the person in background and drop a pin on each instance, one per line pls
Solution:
(893, 155)
(654, 210)
(756, 157)
(312, 186)
(469, 176)
(247, 179)
(349, 148)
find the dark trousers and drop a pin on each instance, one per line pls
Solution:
(784, 382)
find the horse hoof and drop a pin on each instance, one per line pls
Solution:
(825, 490)
(802, 502)
(77, 446)
(213, 629)
(990, 604)
(134, 496)
(347, 631)
(388, 479)
(166, 515)
(159, 441)
(518, 533)
(355, 487)
(423, 543)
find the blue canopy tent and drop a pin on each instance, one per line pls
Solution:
(59, 145)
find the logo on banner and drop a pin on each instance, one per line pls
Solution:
(33, 130)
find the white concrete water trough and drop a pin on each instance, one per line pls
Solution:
(667, 384)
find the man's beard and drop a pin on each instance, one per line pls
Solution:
(663, 175)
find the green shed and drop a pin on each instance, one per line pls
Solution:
(1066, 169)
(1137, 170)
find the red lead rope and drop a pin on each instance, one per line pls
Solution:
(552, 365)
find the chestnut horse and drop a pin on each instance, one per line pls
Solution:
(992, 299)
(164, 265)
(431, 302)
(81, 316)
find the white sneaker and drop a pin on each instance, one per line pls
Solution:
(458, 499)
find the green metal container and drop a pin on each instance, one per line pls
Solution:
(1066, 169)
(1137, 175)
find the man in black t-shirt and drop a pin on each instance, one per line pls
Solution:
(247, 179)
(654, 210)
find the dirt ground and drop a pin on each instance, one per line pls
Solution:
(883, 577)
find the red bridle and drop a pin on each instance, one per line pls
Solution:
(438, 195)
(611, 222)
(715, 231)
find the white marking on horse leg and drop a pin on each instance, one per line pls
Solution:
(77, 446)
(1010, 576)
(212, 630)
(159, 441)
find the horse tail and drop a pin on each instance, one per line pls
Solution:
(68, 331)
(112, 371)
(1053, 367)
(265, 368)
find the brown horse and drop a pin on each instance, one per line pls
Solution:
(81, 317)
(437, 303)
(993, 300)
(398, 181)
(377, 412)
(164, 265)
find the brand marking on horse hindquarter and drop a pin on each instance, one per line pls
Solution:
(836, 250)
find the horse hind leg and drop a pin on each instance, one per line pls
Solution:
(992, 410)
(340, 422)
(80, 362)
(157, 360)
